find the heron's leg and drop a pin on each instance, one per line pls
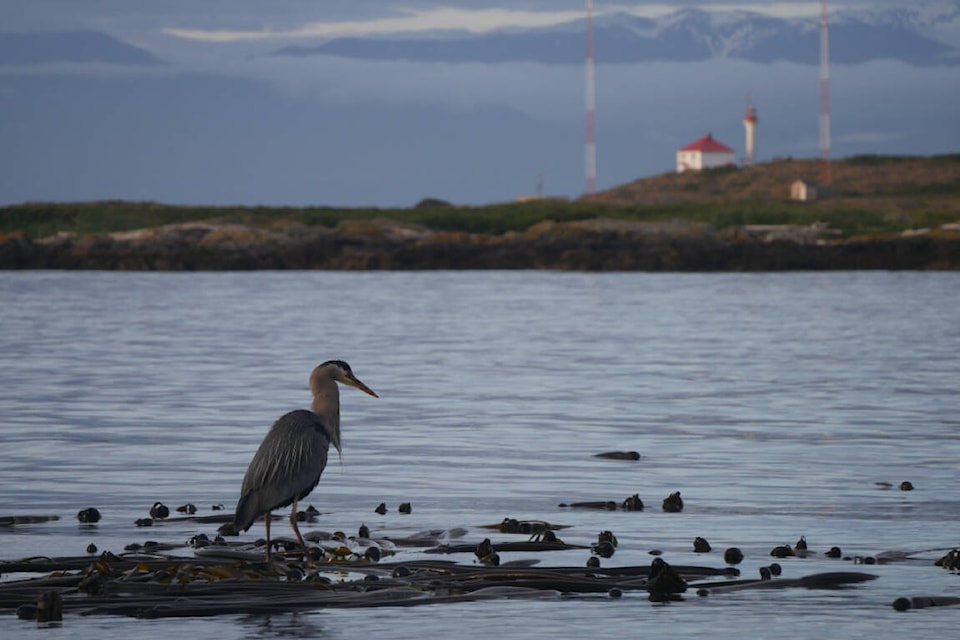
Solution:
(296, 529)
(266, 524)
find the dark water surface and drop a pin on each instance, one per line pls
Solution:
(774, 402)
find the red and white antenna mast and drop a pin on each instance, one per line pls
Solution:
(590, 164)
(824, 97)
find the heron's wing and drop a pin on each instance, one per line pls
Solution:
(287, 466)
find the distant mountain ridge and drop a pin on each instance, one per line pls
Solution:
(70, 46)
(682, 36)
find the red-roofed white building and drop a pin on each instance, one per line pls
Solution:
(703, 154)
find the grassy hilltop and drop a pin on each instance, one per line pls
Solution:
(870, 195)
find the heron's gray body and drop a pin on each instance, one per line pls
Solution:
(286, 467)
(291, 458)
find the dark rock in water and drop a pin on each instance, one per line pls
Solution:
(486, 553)
(607, 536)
(159, 511)
(49, 607)
(405, 508)
(733, 555)
(615, 592)
(663, 581)
(700, 545)
(776, 569)
(200, 540)
(834, 552)
(593, 562)
(484, 549)
(509, 525)
(91, 548)
(308, 515)
(633, 503)
(363, 531)
(27, 612)
(89, 515)
(144, 522)
(673, 503)
(381, 508)
(546, 536)
(782, 551)
(906, 485)
(618, 455)
(765, 573)
(801, 544)
(528, 527)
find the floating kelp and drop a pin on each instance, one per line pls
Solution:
(204, 577)
(232, 578)
(923, 602)
(630, 503)
(527, 527)
(10, 521)
(618, 455)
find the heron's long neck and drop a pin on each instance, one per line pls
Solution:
(326, 404)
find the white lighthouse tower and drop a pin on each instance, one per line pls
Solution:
(750, 124)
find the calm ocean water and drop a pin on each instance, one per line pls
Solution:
(774, 402)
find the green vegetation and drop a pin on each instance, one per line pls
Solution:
(872, 194)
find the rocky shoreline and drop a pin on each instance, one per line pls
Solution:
(589, 245)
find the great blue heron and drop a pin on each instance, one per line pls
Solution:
(288, 464)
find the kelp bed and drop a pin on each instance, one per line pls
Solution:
(220, 577)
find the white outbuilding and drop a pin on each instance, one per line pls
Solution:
(704, 153)
(803, 191)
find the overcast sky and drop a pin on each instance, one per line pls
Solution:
(223, 121)
(336, 17)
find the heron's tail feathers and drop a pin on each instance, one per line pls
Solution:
(248, 510)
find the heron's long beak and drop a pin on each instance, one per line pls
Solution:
(353, 381)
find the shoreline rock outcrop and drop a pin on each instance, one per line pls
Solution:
(587, 245)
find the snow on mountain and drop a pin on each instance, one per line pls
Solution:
(916, 36)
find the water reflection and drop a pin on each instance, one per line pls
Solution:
(288, 625)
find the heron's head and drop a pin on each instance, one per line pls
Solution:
(342, 373)
(326, 402)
